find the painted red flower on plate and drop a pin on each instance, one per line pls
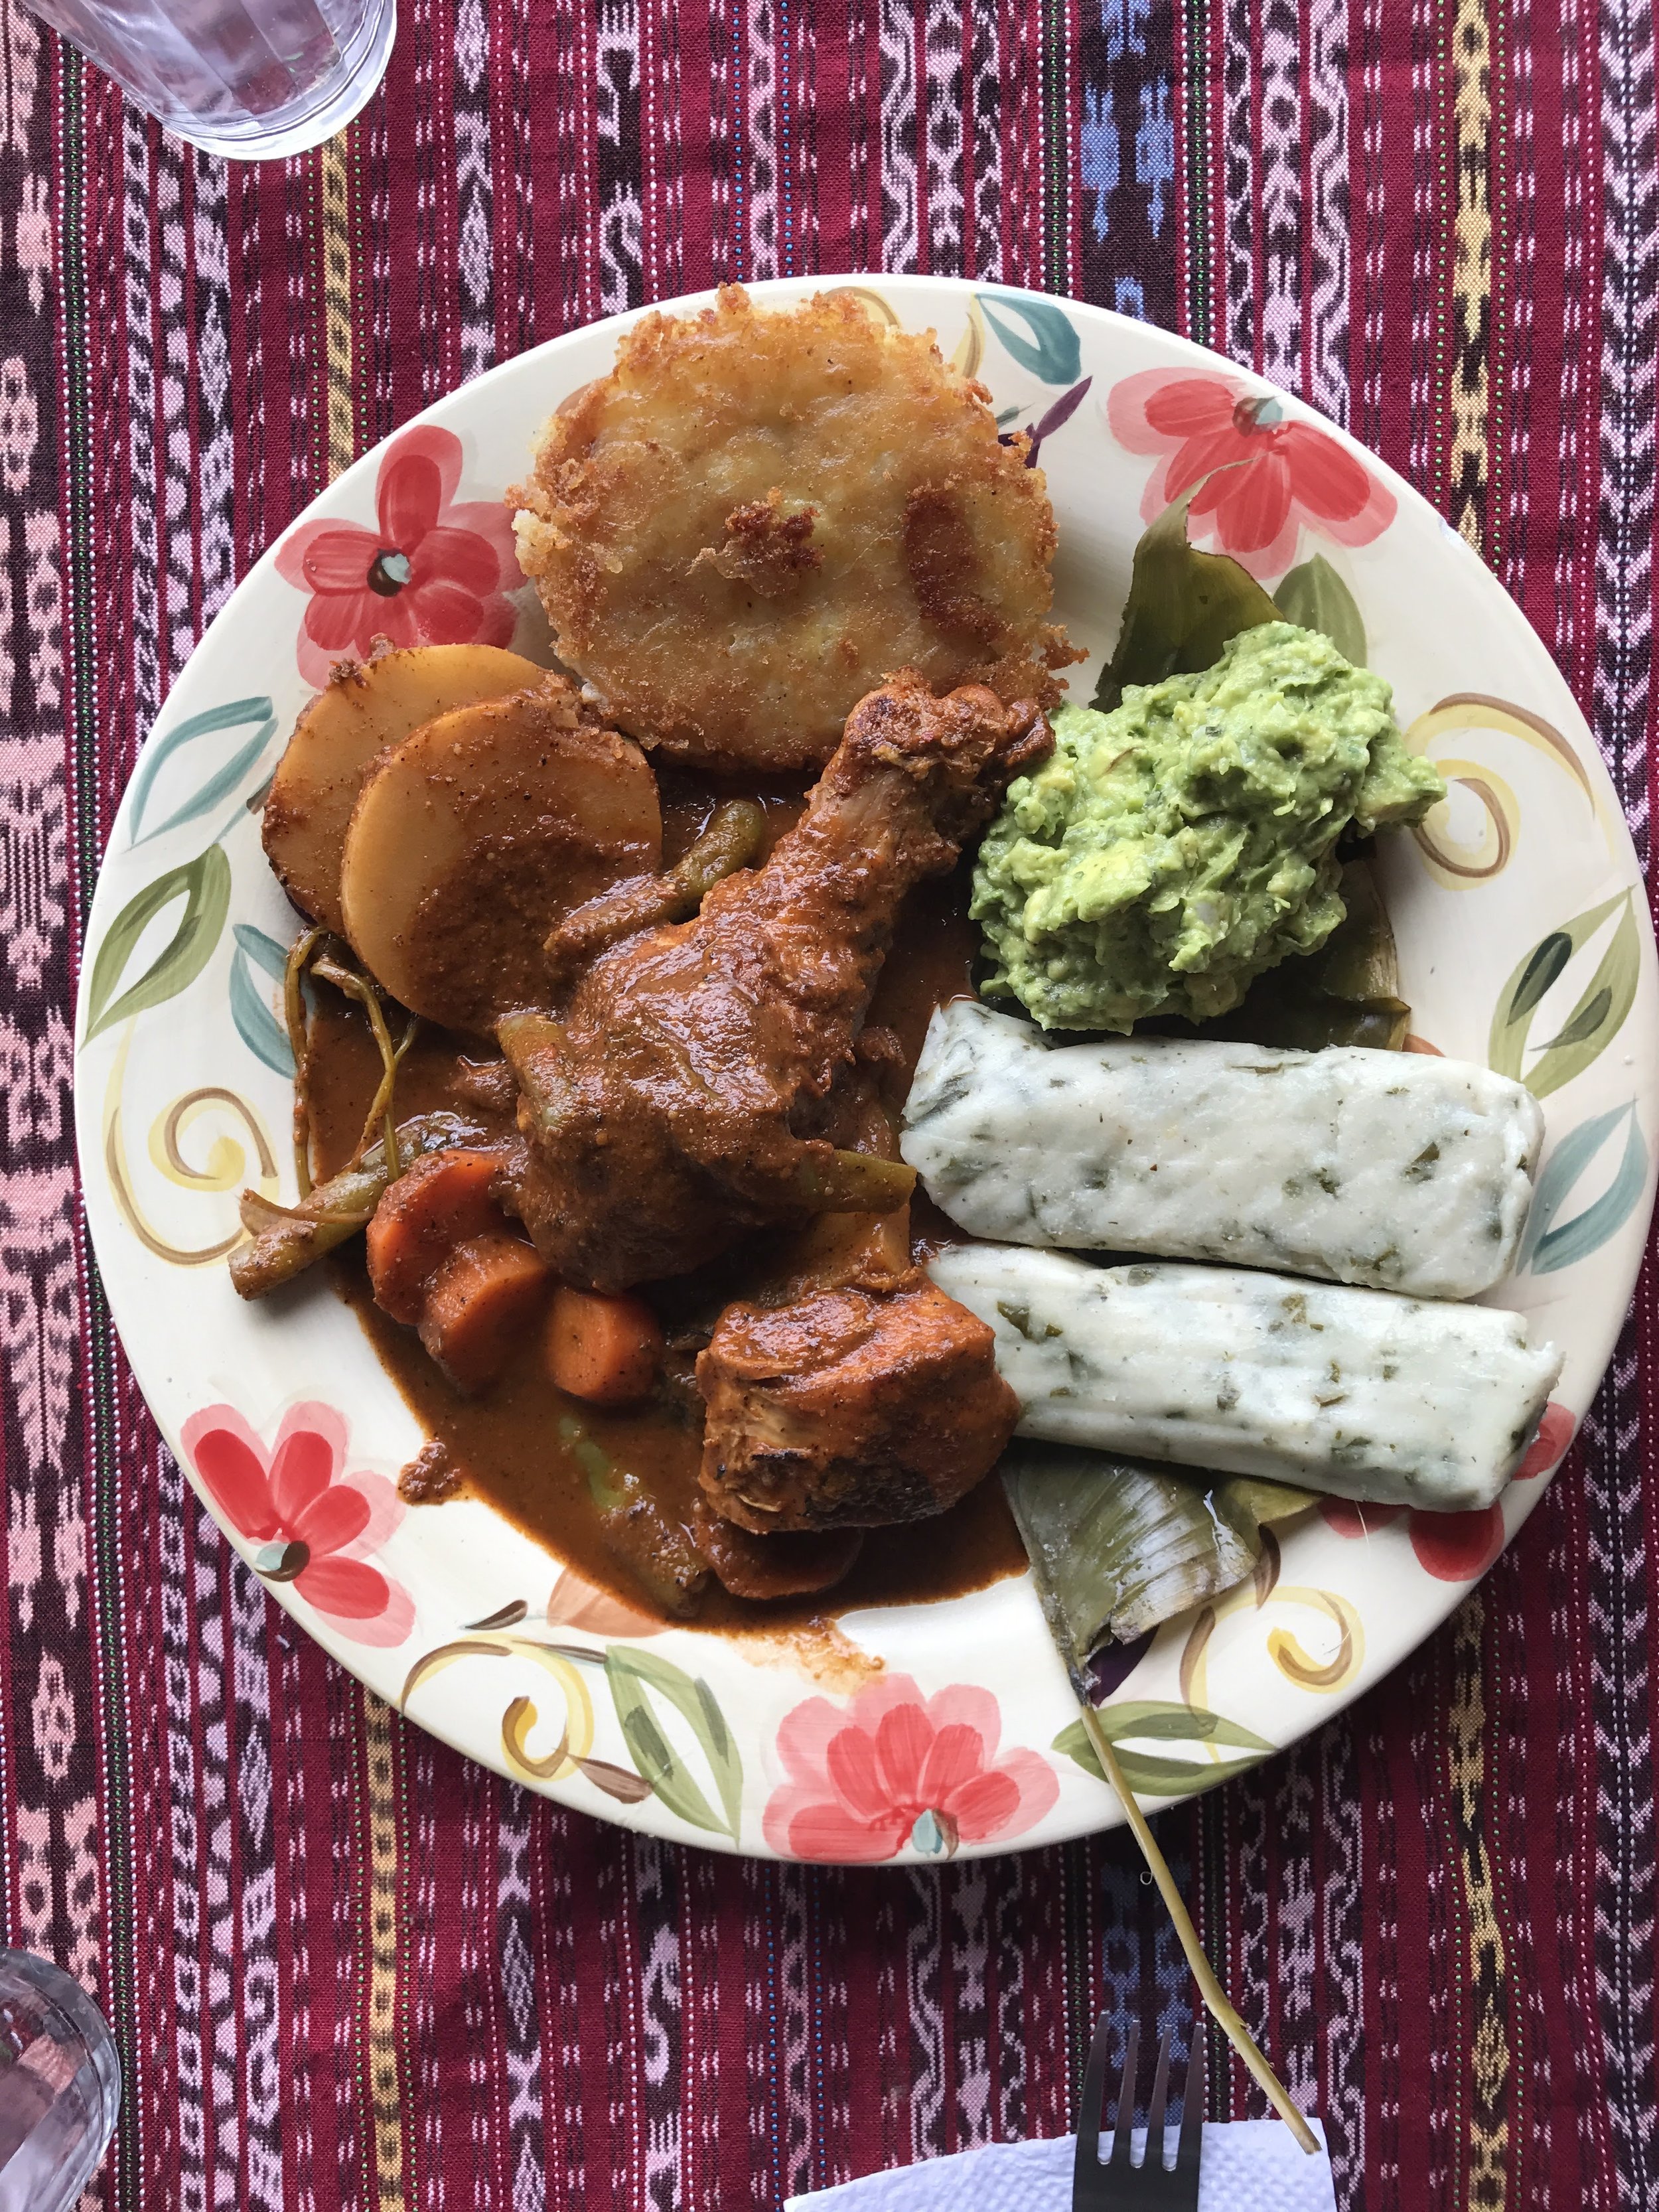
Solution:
(431, 571)
(894, 1768)
(309, 1523)
(1276, 475)
(1456, 1547)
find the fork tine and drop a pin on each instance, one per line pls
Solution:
(1126, 2100)
(1087, 2169)
(1155, 2110)
(1192, 2106)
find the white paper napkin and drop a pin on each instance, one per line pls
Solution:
(1247, 2165)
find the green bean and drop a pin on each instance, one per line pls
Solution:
(324, 955)
(853, 1183)
(288, 1239)
(730, 842)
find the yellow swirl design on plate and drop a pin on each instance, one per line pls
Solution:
(1263, 1597)
(225, 1168)
(1460, 863)
(576, 1739)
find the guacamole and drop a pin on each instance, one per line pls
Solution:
(1170, 851)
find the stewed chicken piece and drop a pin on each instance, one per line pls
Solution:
(850, 1410)
(672, 1107)
(797, 1564)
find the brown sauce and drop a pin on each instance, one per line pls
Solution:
(519, 1446)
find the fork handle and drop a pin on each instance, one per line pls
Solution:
(1203, 1973)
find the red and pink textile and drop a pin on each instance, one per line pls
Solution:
(347, 1969)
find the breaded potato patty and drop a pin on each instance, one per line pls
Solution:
(759, 514)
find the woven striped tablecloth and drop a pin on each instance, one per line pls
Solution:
(347, 1968)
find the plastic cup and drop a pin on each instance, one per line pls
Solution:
(60, 2086)
(256, 80)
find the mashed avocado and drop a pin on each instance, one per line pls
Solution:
(1171, 850)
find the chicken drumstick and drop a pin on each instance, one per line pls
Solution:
(669, 1110)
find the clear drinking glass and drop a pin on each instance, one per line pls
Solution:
(60, 2086)
(254, 79)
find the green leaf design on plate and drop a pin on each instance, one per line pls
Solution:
(1152, 1720)
(1157, 1720)
(204, 885)
(257, 1027)
(1595, 1020)
(1586, 1022)
(1182, 607)
(1317, 597)
(1548, 957)
(633, 1674)
(236, 714)
(1547, 1246)
(263, 950)
(1053, 349)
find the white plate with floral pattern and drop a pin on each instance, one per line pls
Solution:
(1524, 941)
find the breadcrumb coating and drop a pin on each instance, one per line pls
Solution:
(760, 513)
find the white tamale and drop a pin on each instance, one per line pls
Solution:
(1406, 1402)
(1402, 1171)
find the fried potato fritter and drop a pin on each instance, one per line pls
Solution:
(760, 513)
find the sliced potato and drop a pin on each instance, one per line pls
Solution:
(365, 708)
(476, 834)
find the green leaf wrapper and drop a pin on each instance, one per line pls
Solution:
(1182, 607)
(1118, 1546)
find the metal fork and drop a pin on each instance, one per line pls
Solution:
(1114, 2184)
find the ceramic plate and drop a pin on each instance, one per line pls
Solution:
(1524, 941)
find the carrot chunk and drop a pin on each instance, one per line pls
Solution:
(479, 1305)
(439, 1202)
(605, 1349)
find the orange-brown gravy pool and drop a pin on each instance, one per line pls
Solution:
(521, 1445)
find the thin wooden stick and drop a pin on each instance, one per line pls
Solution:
(1203, 1973)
